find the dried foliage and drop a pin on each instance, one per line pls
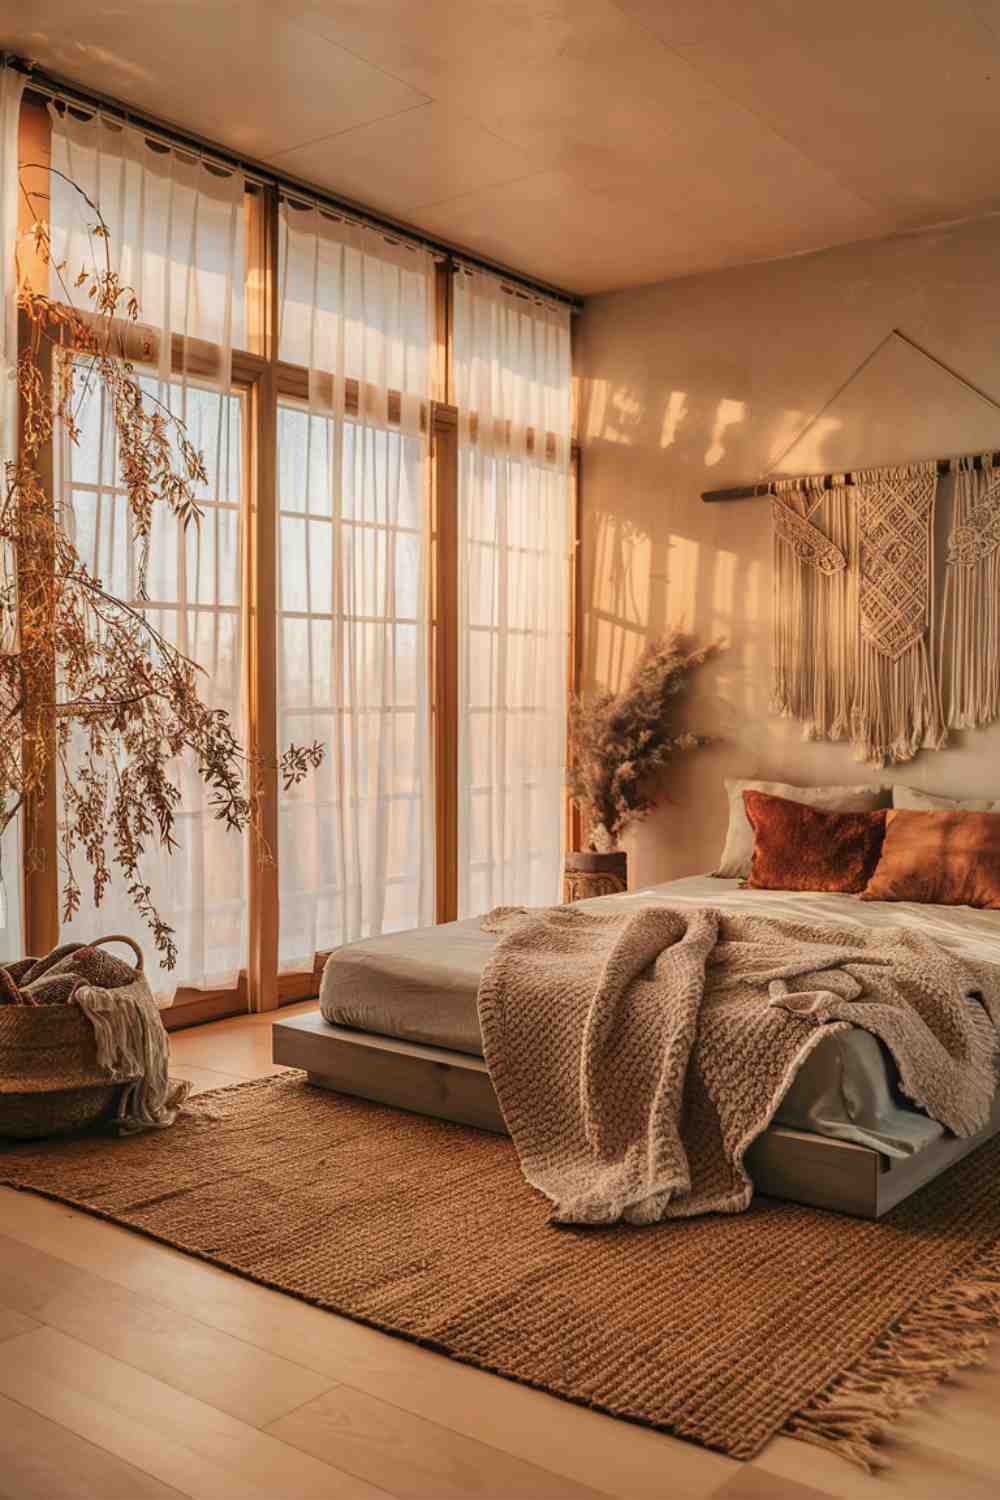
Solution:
(87, 685)
(621, 741)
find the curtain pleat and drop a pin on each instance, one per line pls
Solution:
(11, 89)
(356, 840)
(511, 359)
(176, 235)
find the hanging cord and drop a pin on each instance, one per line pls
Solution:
(766, 473)
(894, 333)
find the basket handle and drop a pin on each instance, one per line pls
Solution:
(121, 937)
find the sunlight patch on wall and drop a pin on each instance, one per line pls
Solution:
(626, 414)
(610, 414)
(788, 453)
(617, 648)
(724, 565)
(674, 414)
(753, 597)
(808, 455)
(727, 414)
(595, 404)
(681, 600)
(621, 595)
(622, 565)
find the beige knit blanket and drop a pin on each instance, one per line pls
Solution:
(636, 1055)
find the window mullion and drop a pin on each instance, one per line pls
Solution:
(262, 617)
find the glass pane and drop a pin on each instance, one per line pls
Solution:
(353, 674)
(194, 584)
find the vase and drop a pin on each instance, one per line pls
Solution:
(588, 873)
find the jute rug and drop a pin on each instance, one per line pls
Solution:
(723, 1330)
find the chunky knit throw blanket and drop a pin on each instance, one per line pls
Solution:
(637, 1054)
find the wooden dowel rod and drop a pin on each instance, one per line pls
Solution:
(766, 487)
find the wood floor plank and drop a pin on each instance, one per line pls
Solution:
(413, 1458)
(240, 1048)
(190, 1355)
(914, 1471)
(755, 1484)
(574, 1442)
(285, 1013)
(202, 1079)
(12, 1323)
(205, 1452)
(962, 1417)
(42, 1460)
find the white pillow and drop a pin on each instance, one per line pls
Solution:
(913, 801)
(734, 862)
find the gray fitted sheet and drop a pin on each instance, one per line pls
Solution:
(421, 986)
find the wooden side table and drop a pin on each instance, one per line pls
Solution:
(588, 873)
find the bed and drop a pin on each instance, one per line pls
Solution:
(398, 1023)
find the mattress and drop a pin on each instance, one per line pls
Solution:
(421, 986)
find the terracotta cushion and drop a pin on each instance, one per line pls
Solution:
(734, 862)
(939, 858)
(800, 848)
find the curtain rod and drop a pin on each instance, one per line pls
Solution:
(55, 87)
(830, 481)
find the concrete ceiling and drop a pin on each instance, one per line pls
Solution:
(596, 144)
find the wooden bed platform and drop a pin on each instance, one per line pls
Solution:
(792, 1164)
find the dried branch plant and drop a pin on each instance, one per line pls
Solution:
(621, 741)
(87, 685)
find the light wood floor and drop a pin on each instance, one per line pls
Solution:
(131, 1372)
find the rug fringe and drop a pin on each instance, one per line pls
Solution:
(948, 1332)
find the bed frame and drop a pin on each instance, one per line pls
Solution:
(792, 1164)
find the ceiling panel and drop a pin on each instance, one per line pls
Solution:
(900, 100)
(418, 157)
(240, 74)
(593, 143)
(437, 44)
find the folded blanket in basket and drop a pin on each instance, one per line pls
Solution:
(130, 1040)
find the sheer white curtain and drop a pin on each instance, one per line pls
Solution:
(177, 237)
(11, 89)
(511, 354)
(356, 839)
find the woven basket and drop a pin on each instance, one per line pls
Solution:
(50, 1081)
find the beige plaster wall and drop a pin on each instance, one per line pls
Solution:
(702, 383)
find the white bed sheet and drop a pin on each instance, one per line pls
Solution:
(422, 986)
(976, 934)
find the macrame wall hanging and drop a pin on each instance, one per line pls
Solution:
(862, 651)
(855, 613)
(970, 637)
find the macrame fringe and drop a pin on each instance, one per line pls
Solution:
(897, 706)
(814, 664)
(851, 654)
(926, 1347)
(970, 634)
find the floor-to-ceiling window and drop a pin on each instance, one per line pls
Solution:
(381, 565)
(512, 388)
(193, 599)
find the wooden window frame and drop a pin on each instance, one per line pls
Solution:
(263, 380)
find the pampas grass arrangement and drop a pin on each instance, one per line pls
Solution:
(620, 741)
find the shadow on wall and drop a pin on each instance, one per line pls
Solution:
(655, 556)
(658, 556)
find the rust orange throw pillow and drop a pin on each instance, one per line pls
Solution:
(940, 858)
(799, 848)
